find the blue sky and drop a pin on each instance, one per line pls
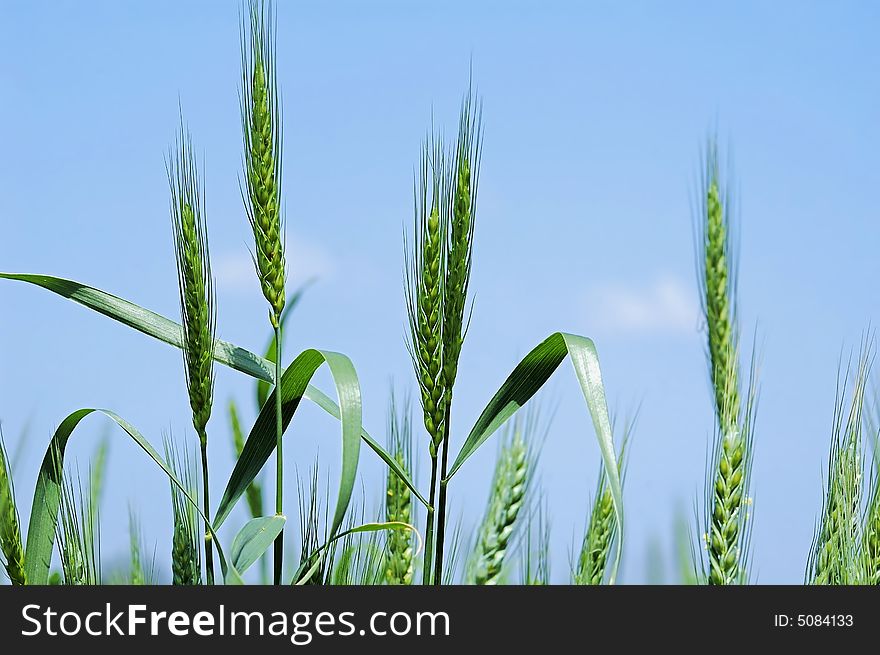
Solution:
(595, 115)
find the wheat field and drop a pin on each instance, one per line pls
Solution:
(264, 509)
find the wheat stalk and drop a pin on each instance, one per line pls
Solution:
(197, 304)
(261, 122)
(10, 531)
(398, 503)
(425, 275)
(464, 174)
(261, 125)
(509, 484)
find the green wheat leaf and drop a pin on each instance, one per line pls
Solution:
(526, 379)
(47, 497)
(314, 561)
(165, 330)
(254, 539)
(261, 441)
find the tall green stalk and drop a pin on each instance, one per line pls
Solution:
(424, 296)
(197, 303)
(464, 174)
(261, 123)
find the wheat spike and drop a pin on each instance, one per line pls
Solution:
(10, 530)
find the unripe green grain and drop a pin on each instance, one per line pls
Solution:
(197, 306)
(261, 121)
(424, 293)
(725, 535)
(835, 558)
(870, 549)
(509, 486)
(398, 507)
(185, 552)
(10, 530)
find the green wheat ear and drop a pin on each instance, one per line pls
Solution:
(602, 527)
(197, 304)
(425, 274)
(78, 536)
(398, 501)
(834, 558)
(462, 182)
(186, 563)
(261, 122)
(510, 482)
(870, 548)
(726, 534)
(10, 530)
(425, 277)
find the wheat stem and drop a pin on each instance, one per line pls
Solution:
(261, 122)
(206, 503)
(460, 206)
(428, 560)
(279, 461)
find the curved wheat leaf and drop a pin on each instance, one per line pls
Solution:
(261, 441)
(526, 379)
(47, 497)
(165, 330)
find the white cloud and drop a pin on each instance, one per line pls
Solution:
(234, 271)
(665, 305)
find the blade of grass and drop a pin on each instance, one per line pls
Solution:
(165, 330)
(261, 441)
(526, 379)
(47, 497)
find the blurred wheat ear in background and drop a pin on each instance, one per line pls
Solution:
(399, 499)
(835, 557)
(10, 531)
(514, 469)
(592, 563)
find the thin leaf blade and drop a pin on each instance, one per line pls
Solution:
(165, 330)
(254, 539)
(526, 379)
